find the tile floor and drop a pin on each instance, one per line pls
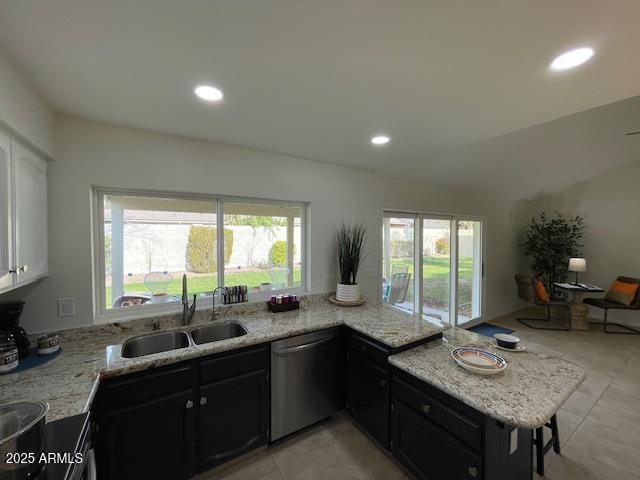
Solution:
(599, 424)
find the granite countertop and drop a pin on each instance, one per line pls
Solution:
(69, 381)
(527, 394)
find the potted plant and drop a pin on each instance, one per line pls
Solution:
(349, 243)
(550, 242)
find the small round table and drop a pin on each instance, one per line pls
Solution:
(579, 310)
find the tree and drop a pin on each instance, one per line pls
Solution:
(201, 248)
(278, 253)
(550, 242)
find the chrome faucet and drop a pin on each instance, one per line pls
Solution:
(187, 313)
(215, 313)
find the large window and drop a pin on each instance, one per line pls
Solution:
(432, 265)
(147, 242)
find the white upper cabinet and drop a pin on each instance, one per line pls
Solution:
(23, 215)
(6, 227)
(30, 207)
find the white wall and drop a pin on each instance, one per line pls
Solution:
(610, 205)
(90, 153)
(22, 110)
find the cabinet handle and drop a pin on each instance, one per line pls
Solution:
(189, 404)
(473, 471)
(203, 400)
(383, 383)
(23, 268)
(426, 408)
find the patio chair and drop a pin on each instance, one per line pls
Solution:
(608, 304)
(399, 268)
(527, 292)
(398, 288)
(130, 300)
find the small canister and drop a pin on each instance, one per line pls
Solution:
(48, 344)
(273, 299)
(8, 359)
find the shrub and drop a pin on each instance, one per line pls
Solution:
(201, 248)
(442, 246)
(278, 253)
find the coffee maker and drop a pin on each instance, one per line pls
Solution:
(10, 330)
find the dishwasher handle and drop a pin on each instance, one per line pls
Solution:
(300, 348)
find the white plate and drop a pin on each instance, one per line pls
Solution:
(478, 360)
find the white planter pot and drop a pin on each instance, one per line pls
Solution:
(348, 293)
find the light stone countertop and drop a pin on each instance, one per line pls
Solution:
(527, 394)
(69, 381)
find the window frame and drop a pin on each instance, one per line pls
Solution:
(103, 315)
(418, 217)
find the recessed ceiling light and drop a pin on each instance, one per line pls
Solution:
(572, 58)
(380, 140)
(209, 93)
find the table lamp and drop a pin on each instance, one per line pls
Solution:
(577, 265)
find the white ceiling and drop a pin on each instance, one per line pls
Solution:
(447, 80)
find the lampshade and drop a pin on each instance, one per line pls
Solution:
(577, 265)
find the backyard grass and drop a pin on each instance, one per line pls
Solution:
(435, 272)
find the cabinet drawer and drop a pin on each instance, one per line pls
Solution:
(231, 364)
(368, 349)
(140, 387)
(448, 419)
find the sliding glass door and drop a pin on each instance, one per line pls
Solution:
(433, 265)
(470, 268)
(436, 268)
(398, 283)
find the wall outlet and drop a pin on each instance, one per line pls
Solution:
(67, 307)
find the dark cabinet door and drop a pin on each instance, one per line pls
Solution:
(428, 451)
(368, 396)
(155, 439)
(233, 417)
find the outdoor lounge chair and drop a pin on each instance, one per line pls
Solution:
(398, 288)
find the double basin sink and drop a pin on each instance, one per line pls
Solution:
(174, 340)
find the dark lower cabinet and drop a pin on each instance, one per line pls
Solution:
(438, 437)
(154, 439)
(368, 396)
(428, 451)
(233, 417)
(169, 423)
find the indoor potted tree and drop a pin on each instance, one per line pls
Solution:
(550, 241)
(349, 243)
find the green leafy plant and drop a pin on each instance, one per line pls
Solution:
(442, 246)
(201, 248)
(278, 253)
(349, 242)
(550, 242)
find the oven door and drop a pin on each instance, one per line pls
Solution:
(85, 470)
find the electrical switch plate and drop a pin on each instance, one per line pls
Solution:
(67, 307)
(513, 441)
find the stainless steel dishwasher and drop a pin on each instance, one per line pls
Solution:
(304, 381)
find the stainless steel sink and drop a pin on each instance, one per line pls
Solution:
(156, 343)
(217, 332)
